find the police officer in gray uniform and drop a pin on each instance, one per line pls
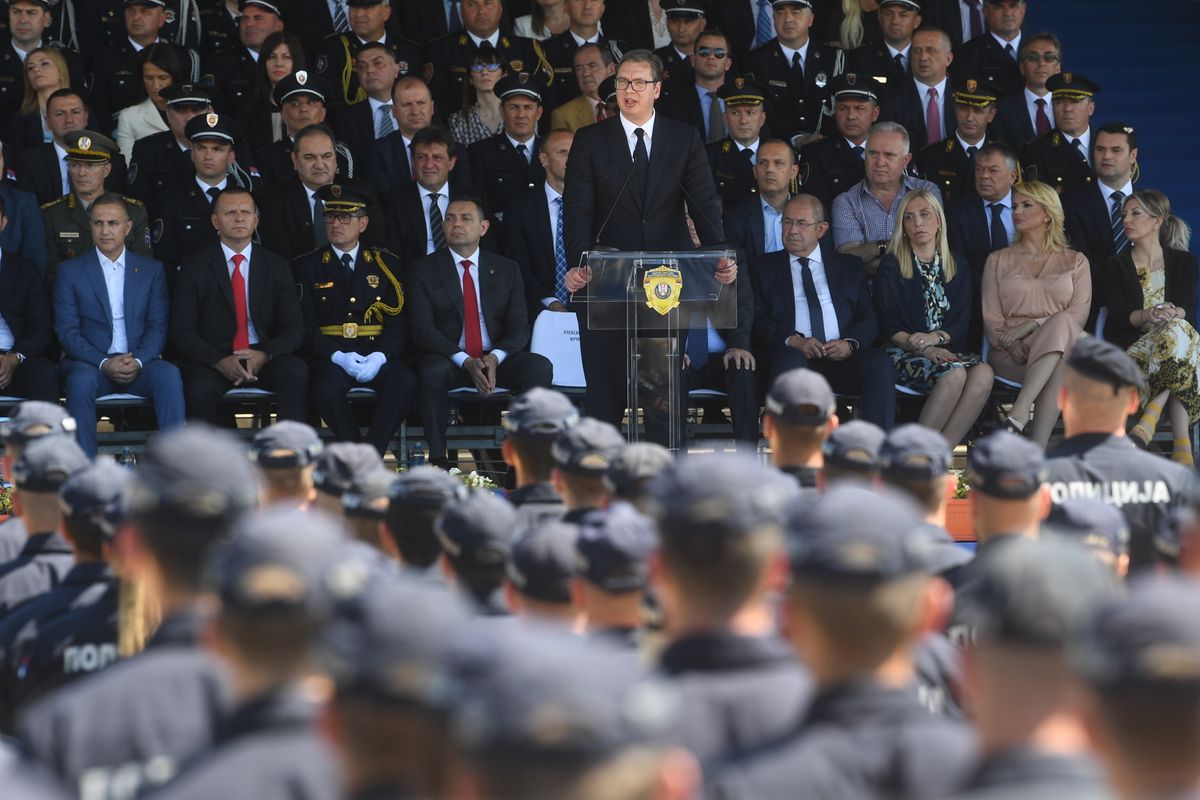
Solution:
(581, 454)
(417, 497)
(476, 536)
(1097, 459)
(534, 418)
(852, 452)
(31, 420)
(613, 551)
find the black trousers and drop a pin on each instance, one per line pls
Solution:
(35, 378)
(438, 375)
(867, 372)
(285, 375)
(742, 387)
(395, 384)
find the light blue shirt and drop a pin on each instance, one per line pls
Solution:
(772, 227)
(706, 107)
(114, 282)
(1005, 215)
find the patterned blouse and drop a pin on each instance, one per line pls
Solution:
(466, 127)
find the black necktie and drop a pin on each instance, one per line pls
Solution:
(641, 160)
(859, 151)
(524, 151)
(319, 235)
(815, 316)
(971, 151)
(435, 221)
(999, 234)
(797, 69)
(212, 193)
(347, 264)
(899, 59)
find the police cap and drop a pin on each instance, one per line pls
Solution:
(1006, 466)
(155, 3)
(634, 465)
(276, 7)
(1150, 642)
(34, 419)
(369, 496)
(197, 473)
(1103, 361)
(911, 5)
(802, 3)
(587, 447)
(685, 8)
(187, 94)
(801, 397)
(613, 548)
(1092, 522)
(214, 127)
(1071, 86)
(342, 464)
(974, 92)
(366, 3)
(300, 82)
(285, 445)
(478, 530)
(516, 84)
(720, 496)
(852, 85)
(854, 447)
(340, 198)
(539, 412)
(743, 91)
(608, 89)
(542, 563)
(425, 487)
(45, 464)
(90, 147)
(853, 534)
(97, 494)
(284, 561)
(914, 452)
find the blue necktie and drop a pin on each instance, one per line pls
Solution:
(560, 256)
(816, 316)
(999, 232)
(764, 25)
(1118, 227)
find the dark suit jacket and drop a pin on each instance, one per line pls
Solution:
(1013, 124)
(900, 303)
(735, 19)
(387, 166)
(905, 107)
(1089, 230)
(422, 19)
(435, 303)
(629, 21)
(739, 335)
(744, 228)
(24, 233)
(529, 240)
(984, 59)
(502, 175)
(286, 223)
(202, 313)
(37, 172)
(876, 60)
(596, 185)
(774, 298)
(1122, 292)
(83, 317)
(944, 14)
(969, 229)
(405, 213)
(25, 305)
(679, 100)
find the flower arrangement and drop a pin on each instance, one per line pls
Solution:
(473, 480)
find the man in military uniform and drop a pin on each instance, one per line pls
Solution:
(533, 421)
(219, 21)
(301, 99)
(42, 169)
(334, 59)
(162, 161)
(1097, 459)
(686, 20)
(950, 163)
(102, 24)
(889, 62)
(27, 24)
(732, 159)
(1062, 158)
(837, 162)
(234, 71)
(68, 228)
(447, 57)
(505, 167)
(357, 333)
(134, 724)
(797, 72)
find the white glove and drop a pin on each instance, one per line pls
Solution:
(349, 362)
(370, 367)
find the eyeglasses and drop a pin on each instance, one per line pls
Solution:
(483, 67)
(341, 219)
(1049, 58)
(717, 52)
(798, 223)
(637, 84)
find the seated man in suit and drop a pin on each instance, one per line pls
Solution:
(534, 236)
(25, 329)
(111, 319)
(389, 163)
(593, 64)
(1023, 116)
(235, 317)
(812, 309)
(415, 227)
(24, 233)
(355, 323)
(754, 224)
(42, 170)
(469, 321)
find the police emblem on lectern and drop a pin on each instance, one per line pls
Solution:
(663, 286)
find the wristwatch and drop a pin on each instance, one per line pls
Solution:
(882, 249)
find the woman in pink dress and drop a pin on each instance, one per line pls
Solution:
(1036, 296)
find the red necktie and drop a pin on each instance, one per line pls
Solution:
(1042, 122)
(933, 118)
(472, 336)
(600, 115)
(241, 338)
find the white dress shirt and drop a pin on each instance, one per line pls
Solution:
(376, 117)
(631, 135)
(1032, 109)
(803, 321)
(1085, 143)
(944, 108)
(114, 282)
(1016, 44)
(443, 203)
(251, 331)
(965, 145)
(254, 54)
(485, 339)
(353, 253)
(528, 145)
(204, 187)
(6, 335)
(552, 210)
(803, 51)
(493, 40)
(1125, 190)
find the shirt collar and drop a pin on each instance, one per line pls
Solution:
(551, 194)
(965, 144)
(254, 54)
(923, 89)
(490, 40)
(1031, 97)
(204, 187)
(338, 252)
(230, 252)
(630, 127)
(1125, 190)
(137, 48)
(442, 190)
(893, 52)
(813, 258)
(1016, 43)
(381, 40)
(752, 147)
(375, 104)
(788, 51)
(528, 144)
(105, 261)
(580, 41)
(1005, 201)
(473, 258)
(62, 153)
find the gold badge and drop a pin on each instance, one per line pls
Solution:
(739, 83)
(85, 143)
(663, 286)
(1067, 77)
(972, 84)
(373, 281)
(301, 77)
(517, 65)
(335, 190)
(211, 119)
(349, 330)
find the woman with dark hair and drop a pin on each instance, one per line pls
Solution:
(160, 66)
(923, 301)
(1150, 291)
(45, 73)
(479, 118)
(281, 55)
(547, 18)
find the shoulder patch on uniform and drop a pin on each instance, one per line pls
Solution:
(54, 202)
(156, 230)
(133, 201)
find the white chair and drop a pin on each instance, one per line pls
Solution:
(556, 336)
(1004, 381)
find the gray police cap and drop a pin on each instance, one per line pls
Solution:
(614, 546)
(479, 530)
(542, 563)
(587, 447)
(45, 464)
(98, 494)
(35, 418)
(368, 497)
(1006, 466)
(540, 412)
(198, 473)
(801, 397)
(854, 447)
(285, 445)
(634, 465)
(1103, 361)
(720, 496)
(914, 452)
(341, 465)
(1091, 522)
(426, 487)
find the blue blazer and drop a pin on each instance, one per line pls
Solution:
(83, 316)
(900, 303)
(25, 234)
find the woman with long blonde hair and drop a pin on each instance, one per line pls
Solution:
(45, 73)
(923, 302)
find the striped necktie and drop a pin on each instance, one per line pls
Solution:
(1120, 242)
(560, 255)
(341, 24)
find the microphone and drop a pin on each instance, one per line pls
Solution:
(613, 207)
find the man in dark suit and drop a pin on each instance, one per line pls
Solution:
(925, 100)
(42, 170)
(827, 322)
(1022, 116)
(740, 20)
(626, 184)
(235, 317)
(469, 322)
(695, 100)
(950, 163)
(992, 57)
(25, 330)
(429, 19)
(754, 224)
(361, 125)
(889, 62)
(415, 228)
(24, 233)
(979, 226)
(797, 72)
(834, 164)
(111, 310)
(505, 167)
(355, 320)
(1062, 158)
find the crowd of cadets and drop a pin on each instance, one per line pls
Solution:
(295, 619)
(372, 87)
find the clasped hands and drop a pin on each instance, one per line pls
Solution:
(813, 348)
(483, 372)
(121, 369)
(1161, 314)
(578, 277)
(1009, 338)
(362, 368)
(241, 366)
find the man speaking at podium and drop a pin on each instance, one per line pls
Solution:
(627, 182)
